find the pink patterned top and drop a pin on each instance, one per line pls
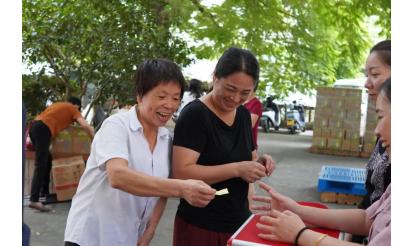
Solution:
(380, 215)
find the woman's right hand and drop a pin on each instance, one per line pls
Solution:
(251, 171)
(275, 201)
(197, 193)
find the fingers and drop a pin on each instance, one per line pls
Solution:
(261, 199)
(268, 163)
(270, 237)
(259, 208)
(265, 187)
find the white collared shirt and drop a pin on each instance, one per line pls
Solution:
(105, 216)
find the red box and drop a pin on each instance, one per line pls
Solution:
(246, 235)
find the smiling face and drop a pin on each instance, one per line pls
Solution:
(158, 105)
(377, 72)
(383, 129)
(232, 91)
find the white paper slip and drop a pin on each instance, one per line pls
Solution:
(222, 192)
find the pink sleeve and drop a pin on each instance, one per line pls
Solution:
(383, 238)
(371, 210)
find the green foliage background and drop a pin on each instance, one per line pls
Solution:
(300, 44)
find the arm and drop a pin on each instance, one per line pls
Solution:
(153, 222)
(353, 221)
(185, 167)
(121, 177)
(86, 126)
(254, 117)
(285, 226)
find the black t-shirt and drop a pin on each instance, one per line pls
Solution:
(199, 129)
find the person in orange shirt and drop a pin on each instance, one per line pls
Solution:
(45, 127)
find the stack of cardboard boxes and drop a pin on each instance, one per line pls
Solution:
(337, 121)
(71, 141)
(369, 139)
(66, 174)
(70, 149)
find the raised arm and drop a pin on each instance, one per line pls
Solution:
(86, 126)
(120, 176)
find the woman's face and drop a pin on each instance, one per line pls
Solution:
(383, 129)
(158, 105)
(377, 72)
(232, 91)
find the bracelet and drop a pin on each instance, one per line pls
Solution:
(319, 240)
(298, 235)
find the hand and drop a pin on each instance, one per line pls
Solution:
(197, 193)
(280, 226)
(267, 161)
(276, 201)
(251, 171)
(146, 238)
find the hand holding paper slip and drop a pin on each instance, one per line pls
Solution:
(222, 192)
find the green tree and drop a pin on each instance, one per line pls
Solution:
(98, 42)
(299, 44)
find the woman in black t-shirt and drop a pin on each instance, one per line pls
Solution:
(213, 142)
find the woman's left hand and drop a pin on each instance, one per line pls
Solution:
(267, 161)
(280, 226)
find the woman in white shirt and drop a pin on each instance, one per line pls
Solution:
(122, 193)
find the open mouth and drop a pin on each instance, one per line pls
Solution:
(164, 117)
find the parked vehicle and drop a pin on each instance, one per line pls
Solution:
(294, 121)
(270, 116)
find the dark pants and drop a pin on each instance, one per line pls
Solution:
(71, 244)
(186, 234)
(41, 138)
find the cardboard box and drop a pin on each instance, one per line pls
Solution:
(319, 142)
(71, 141)
(66, 174)
(352, 134)
(335, 123)
(334, 143)
(354, 145)
(346, 144)
(317, 132)
(370, 138)
(326, 132)
(338, 133)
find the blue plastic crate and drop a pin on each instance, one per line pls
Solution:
(344, 180)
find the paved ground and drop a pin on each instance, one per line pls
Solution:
(296, 175)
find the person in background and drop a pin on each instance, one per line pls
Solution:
(123, 192)
(256, 110)
(44, 128)
(195, 90)
(285, 218)
(213, 142)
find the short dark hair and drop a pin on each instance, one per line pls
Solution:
(386, 89)
(75, 101)
(236, 60)
(383, 49)
(195, 87)
(153, 72)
